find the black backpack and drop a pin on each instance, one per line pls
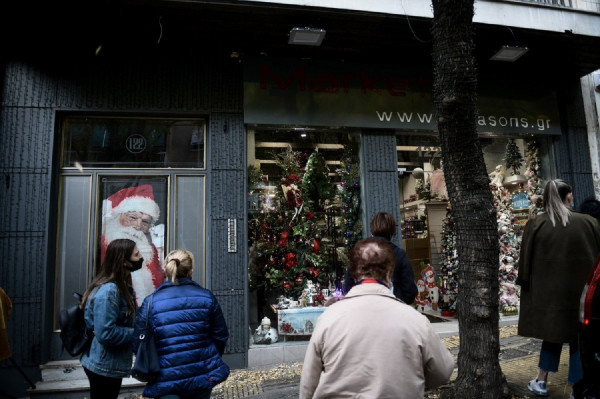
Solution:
(75, 336)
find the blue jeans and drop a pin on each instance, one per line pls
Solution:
(550, 357)
(200, 395)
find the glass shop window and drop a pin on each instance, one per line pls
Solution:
(119, 142)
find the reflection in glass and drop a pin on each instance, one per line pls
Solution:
(110, 142)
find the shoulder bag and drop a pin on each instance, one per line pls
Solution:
(146, 366)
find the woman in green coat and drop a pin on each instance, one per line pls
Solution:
(558, 251)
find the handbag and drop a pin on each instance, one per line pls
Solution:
(146, 366)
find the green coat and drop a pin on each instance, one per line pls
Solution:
(553, 267)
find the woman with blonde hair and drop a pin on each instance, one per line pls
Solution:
(189, 331)
(558, 250)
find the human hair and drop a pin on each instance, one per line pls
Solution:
(371, 258)
(383, 224)
(113, 271)
(178, 264)
(555, 193)
(591, 206)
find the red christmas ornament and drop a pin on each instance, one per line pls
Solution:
(291, 260)
(310, 215)
(293, 177)
(316, 245)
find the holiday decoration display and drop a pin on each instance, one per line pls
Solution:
(431, 287)
(423, 189)
(513, 159)
(349, 194)
(421, 298)
(437, 185)
(265, 334)
(534, 178)
(316, 187)
(288, 248)
(497, 176)
(510, 228)
(449, 266)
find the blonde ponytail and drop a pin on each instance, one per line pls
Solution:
(179, 263)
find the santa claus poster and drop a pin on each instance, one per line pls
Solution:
(135, 208)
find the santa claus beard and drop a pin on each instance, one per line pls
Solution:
(142, 280)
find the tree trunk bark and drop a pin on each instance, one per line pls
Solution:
(455, 96)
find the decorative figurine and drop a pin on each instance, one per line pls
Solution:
(497, 176)
(264, 334)
(432, 288)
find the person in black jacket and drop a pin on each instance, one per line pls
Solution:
(383, 227)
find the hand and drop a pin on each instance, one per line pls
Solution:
(157, 233)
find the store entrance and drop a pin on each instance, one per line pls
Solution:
(157, 211)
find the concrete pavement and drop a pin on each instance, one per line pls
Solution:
(518, 359)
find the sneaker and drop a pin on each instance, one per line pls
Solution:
(538, 387)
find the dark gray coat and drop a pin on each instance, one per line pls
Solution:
(553, 266)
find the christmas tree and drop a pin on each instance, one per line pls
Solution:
(287, 249)
(509, 236)
(315, 184)
(534, 179)
(512, 157)
(349, 194)
(349, 189)
(449, 265)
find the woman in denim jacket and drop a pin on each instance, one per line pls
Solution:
(110, 312)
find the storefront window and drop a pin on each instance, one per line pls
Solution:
(516, 167)
(304, 210)
(111, 142)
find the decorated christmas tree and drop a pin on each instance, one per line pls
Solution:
(350, 204)
(287, 249)
(509, 236)
(449, 265)
(316, 187)
(513, 158)
(534, 178)
(349, 192)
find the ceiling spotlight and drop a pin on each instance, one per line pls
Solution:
(307, 36)
(509, 53)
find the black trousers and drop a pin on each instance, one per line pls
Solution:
(102, 387)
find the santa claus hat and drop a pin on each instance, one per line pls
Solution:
(138, 199)
(427, 270)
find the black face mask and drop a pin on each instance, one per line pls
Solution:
(136, 265)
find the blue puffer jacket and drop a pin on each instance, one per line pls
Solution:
(190, 335)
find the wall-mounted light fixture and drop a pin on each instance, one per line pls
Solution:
(509, 53)
(307, 36)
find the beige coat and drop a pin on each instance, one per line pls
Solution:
(370, 345)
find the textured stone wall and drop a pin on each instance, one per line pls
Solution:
(379, 170)
(32, 96)
(571, 150)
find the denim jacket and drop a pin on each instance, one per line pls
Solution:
(109, 354)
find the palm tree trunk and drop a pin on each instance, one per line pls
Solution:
(455, 96)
